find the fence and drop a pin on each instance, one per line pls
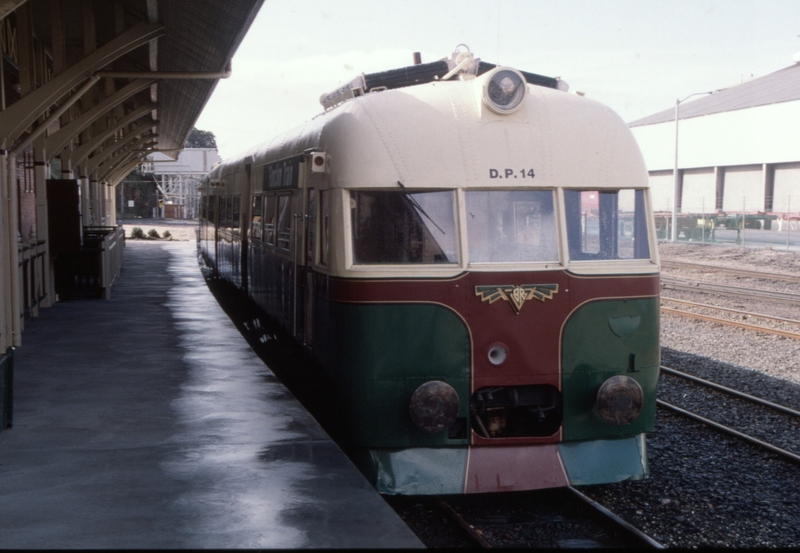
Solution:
(90, 271)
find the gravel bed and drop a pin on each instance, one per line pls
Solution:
(772, 426)
(771, 355)
(708, 490)
(429, 523)
(551, 518)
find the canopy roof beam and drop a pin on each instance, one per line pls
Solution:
(22, 114)
(59, 140)
(77, 156)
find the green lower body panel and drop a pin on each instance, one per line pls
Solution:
(419, 471)
(605, 461)
(457, 470)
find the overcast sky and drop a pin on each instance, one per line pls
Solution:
(637, 56)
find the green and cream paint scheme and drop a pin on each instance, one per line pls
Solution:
(417, 235)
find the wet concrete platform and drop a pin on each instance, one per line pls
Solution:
(146, 421)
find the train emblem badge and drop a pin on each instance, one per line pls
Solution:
(516, 295)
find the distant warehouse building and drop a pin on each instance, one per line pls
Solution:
(739, 149)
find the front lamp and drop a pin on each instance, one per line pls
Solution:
(504, 90)
(620, 400)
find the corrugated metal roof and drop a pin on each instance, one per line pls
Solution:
(200, 36)
(777, 87)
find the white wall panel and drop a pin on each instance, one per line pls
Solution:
(661, 188)
(743, 184)
(763, 134)
(699, 191)
(787, 188)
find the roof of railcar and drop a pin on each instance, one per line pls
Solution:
(440, 134)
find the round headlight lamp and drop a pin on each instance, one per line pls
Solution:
(504, 90)
(619, 400)
(497, 354)
(434, 406)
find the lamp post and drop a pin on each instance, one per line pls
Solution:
(675, 193)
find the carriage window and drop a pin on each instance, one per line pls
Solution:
(403, 227)
(311, 224)
(269, 219)
(284, 222)
(606, 224)
(223, 212)
(255, 227)
(235, 215)
(324, 226)
(212, 203)
(505, 226)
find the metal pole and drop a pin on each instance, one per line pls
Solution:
(703, 228)
(675, 168)
(788, 210)
(675, 179)
(743, 199)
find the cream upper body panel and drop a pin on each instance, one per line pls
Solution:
(441, 135)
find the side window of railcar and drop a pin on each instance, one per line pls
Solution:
(606, 224)
(235, 214)
(511, 226)
(255, 227)
(223, 211)
(324, 226)
(401, 227)
(311, 223)
(270, 203)
(284, 222)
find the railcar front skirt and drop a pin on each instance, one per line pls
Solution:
(435, 471)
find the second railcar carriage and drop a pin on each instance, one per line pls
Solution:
(468, 252)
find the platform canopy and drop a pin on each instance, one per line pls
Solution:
(89, 88)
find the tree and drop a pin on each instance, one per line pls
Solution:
(200, 139)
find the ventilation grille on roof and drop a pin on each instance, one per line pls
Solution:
(414, 75)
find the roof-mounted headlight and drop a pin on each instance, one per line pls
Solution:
(504, 90)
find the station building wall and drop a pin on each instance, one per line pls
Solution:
(744, 159)
(786, 192)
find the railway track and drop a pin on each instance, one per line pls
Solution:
(730, 322)
(791, 416)
(586, 525)
(725, 290)
(730, 270)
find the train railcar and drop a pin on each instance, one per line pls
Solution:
(468, 251)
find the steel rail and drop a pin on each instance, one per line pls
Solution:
(458, 519)
(736, 324)
(731, 270)
(637, 534)
(682, 284)
(730, 391)
(722, 428)
(736, 311)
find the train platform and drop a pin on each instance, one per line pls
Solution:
(146, 421)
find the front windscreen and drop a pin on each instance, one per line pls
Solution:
(511, 226)
(606, 224)
(400, 227)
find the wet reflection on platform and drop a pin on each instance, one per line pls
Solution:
(146, 421)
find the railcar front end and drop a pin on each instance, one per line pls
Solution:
(479, 283)
(518, 373)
